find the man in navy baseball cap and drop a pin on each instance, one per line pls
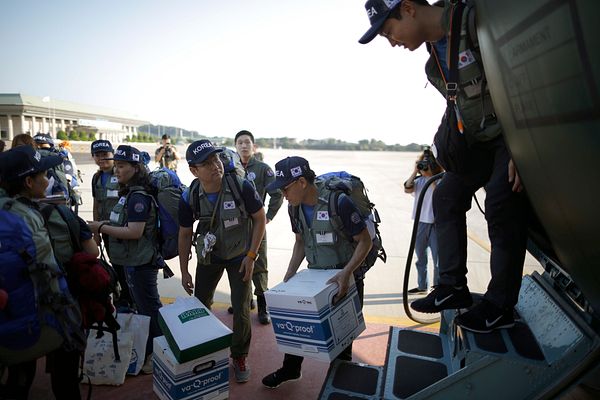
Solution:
(289, 170)
(199, 151)
(99, 146)
(43, 138)
(378, 11)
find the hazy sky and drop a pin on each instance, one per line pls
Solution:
(276, 68)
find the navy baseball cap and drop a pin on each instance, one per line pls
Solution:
(127, 153)
(25, 161)
(287, 171)
(199, 151)
(378, 11)
(101, 145)
(43, 138)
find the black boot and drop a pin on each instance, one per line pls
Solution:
(263, 314)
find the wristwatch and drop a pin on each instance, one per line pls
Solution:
(252, 255)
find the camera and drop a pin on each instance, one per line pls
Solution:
(428, 161)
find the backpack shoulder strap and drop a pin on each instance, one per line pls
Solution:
(236, 189)
(334, 215)
(453, 47)
(294, 213)
(72, 224)
(194, 198)
(95, 179)
(472, 40)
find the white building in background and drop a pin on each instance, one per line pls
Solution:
(21, 113)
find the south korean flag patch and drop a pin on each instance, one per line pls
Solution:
(322, 216)
(465, 58)
(229, 205)
(296, 171)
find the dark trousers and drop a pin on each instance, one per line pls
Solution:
(207, 278)
(260, 275)
(293, 363)
(63, 367)
(505, 213)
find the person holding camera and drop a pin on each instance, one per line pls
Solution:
(425, 168)
(166, 155)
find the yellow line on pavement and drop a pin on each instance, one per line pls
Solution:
(482, 243)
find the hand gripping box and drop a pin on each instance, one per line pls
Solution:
(191, 330)
(204, 378)
(305, 321)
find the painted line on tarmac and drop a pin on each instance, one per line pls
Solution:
(403, 322)
(484, 244)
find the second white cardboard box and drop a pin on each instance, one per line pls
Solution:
(204, 378)
(191, 330)
(304, 320)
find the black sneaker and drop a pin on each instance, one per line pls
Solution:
(417, 291)
(485, 317)
(443, 297)
(280, 376)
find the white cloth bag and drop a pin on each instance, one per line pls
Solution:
(100, 364)
(139, 326)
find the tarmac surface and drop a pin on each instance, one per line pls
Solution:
(383, 174)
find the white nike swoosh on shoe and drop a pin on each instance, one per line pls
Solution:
(440, 302)
(489, 324)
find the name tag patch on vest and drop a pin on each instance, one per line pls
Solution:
(465, 58)
(324, 238)
(228, 205)
(114, 217)
(112, 194)
(228, 223)
(322, 215)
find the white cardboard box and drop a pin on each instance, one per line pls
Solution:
(304, 320)
(201, 379)
(191, 330)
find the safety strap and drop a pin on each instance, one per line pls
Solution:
(456, 13)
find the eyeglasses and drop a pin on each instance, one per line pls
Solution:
(285, 189)
(389, 37)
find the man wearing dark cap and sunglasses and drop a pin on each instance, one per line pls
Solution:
(471, 148)
(318, 242)
(230, 229)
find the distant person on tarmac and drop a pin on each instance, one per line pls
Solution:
(470, 146)
(425, 168)
(260, 175)
(318, 242)
(229, 232)
(166, 155)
